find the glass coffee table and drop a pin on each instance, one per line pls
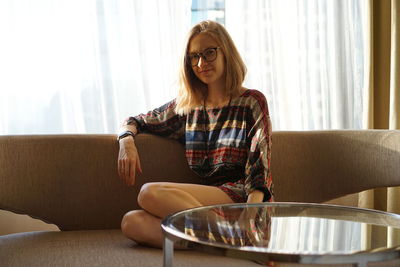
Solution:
(286, 232)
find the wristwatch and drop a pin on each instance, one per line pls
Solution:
(125, 134)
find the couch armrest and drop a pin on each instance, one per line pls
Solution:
(317, 166)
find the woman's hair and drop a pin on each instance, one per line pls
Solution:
(192, 91)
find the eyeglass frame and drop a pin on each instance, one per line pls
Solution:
(201, 55)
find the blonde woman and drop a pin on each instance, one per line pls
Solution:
(225, 128)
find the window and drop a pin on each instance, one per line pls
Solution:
(208, 10)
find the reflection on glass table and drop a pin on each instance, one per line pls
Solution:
(287, 232)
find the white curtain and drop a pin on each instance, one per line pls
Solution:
(306, 56)
(314, 235)
(83, 66)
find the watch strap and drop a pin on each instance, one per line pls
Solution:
(125, 134)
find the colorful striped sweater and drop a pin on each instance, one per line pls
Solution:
(223, 145)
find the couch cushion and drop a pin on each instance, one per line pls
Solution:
(94, 248)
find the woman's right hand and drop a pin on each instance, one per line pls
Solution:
(128, 161)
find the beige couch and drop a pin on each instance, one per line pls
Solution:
(71, 181)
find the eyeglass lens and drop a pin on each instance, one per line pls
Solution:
(208, 55)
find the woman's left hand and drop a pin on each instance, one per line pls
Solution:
(255, 226)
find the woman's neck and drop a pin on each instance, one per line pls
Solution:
(216, 97)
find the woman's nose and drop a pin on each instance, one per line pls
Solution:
(201, 62)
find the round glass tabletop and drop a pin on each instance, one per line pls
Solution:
(288, 228)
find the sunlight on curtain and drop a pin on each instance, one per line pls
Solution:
(311, 235)
(306, 56)
(83, 66)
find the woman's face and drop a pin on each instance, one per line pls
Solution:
(210, 68)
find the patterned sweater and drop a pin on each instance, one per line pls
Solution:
(225, 146)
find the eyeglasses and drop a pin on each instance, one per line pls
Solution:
(209, 55)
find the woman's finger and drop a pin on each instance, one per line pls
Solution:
(123, 171)
(132, 173)
(126, 171)
(139, 166)
(120, 168)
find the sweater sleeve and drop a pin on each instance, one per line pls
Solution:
(162, 121)
(257, 170)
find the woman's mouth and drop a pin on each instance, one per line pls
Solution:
(205, 71)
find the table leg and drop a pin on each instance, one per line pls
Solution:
(361, 264)
(168, 250)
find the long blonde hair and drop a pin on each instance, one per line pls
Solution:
(192, 91)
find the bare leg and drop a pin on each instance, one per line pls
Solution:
(160, 199)
(143, 228)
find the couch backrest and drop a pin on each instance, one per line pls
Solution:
(72, 181)
(317, 166)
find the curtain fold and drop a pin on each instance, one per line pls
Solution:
(306, 56)
(394, 112)
(84, 66)
(383, 87)
(383, 99)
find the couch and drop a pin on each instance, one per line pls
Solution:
(71, 181)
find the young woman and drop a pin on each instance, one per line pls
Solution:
(225, 128)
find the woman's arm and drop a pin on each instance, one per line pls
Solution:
(127, 128)
(162, 121)
(128, 160)
(258, 174)
(255, 197)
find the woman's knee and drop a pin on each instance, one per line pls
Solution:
(149, 195)
(132, 223)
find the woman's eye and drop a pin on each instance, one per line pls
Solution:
(208, 52)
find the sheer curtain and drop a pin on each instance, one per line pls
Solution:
(310, 234)
(83, 66)
(306, 56)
